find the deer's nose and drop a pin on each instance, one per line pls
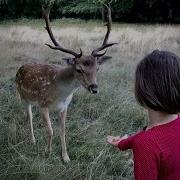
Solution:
(93, 88)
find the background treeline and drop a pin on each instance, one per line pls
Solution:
(162, 11)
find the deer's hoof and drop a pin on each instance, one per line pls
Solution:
(66, 158)
(48, 150)
(33, 140)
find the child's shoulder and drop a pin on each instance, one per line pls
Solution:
(158, 135)
(144, 141)
(142, 136)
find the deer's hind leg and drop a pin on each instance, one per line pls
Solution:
(29, 117)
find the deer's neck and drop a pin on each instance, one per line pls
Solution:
(66, 79)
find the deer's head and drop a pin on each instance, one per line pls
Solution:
(85, 67)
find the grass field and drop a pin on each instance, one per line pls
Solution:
(90, 117)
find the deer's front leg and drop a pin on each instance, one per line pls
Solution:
(62, 118)
(46, 118)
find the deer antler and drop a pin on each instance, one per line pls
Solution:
(45, 14)
(105, 42)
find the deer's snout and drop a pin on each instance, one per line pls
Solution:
(93, 88)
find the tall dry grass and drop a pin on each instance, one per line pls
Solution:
(90, 118)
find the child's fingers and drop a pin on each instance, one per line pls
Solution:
(109, 139)
(124, 137)
(112, 140)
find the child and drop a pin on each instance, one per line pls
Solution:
(156, 149)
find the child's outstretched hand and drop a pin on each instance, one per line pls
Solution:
(114, 140)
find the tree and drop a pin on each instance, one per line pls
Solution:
(122, 10)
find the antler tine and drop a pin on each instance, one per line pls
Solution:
(105, 41)
(101, 54)
(109, 23)
(45, 14)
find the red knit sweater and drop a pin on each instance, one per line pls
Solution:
(156, 152)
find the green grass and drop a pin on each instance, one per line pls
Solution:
(64, 22)
(90, 117)
(70, 22)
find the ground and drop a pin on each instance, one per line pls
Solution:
(90, 118)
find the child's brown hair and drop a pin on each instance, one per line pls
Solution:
(157, 82)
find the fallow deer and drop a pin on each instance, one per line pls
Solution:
(53, 85)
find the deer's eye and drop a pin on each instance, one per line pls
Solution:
(78, 71)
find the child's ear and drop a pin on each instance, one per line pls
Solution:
(69, 60)
(103, 59)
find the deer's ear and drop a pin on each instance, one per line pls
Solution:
(69, 60)
(103, 59)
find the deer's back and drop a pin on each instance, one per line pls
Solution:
(36, 82)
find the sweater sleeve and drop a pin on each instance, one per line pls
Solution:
(127, 143)
(146, 159)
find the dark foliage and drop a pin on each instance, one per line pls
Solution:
(162, 11)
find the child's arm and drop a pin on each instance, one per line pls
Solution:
(127, 143)
(123, 143)
(114, 140)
